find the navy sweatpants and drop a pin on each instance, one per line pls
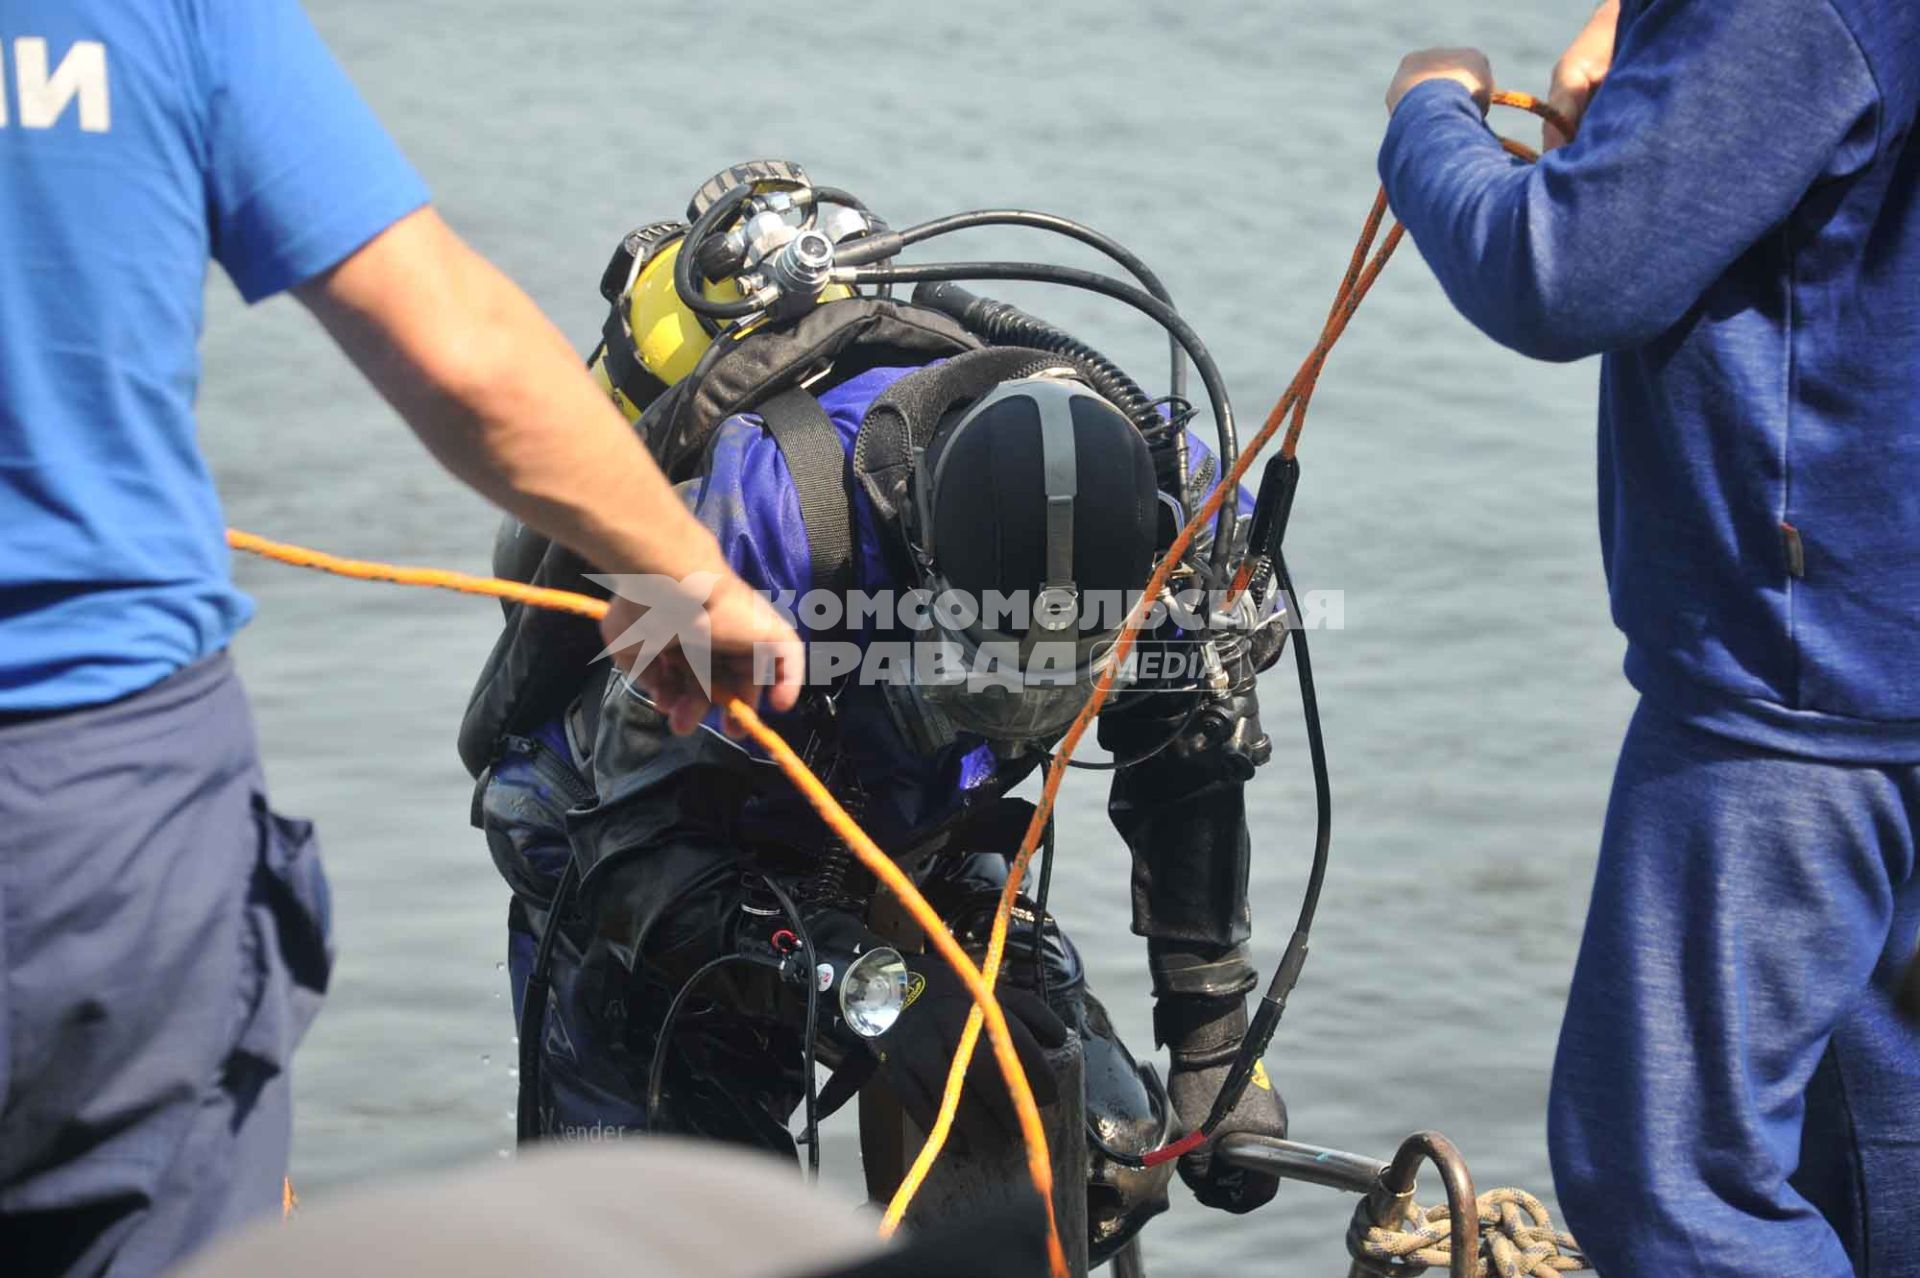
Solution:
(1734, 1092)
(163, 943)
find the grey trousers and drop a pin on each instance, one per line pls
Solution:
(163, 945)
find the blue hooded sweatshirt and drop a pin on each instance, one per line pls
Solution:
(1737, 229)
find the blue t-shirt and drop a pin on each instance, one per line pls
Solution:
(1736, 229)
(137, 143)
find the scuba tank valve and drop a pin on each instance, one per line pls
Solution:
(766, 250)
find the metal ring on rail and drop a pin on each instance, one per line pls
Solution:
(1403, 1174)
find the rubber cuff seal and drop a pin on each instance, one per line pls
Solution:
(1199, 1033)
(1216, 974)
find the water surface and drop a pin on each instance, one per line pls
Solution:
(1472, 705)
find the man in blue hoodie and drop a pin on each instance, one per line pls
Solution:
(1735, 230)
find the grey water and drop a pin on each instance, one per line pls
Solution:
(1473, 699)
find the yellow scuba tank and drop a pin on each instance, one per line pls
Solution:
(664, 335)
(653, 339)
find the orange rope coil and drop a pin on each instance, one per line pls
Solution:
(1363, 271)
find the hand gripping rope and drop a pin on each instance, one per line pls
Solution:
(1291, 411)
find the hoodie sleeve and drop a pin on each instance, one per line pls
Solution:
(1713, 125)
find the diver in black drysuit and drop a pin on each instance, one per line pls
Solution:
(668, 835)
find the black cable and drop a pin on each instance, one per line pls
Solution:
(1177, 375)
(812, 1133)
(533, 1011)
(1316, 748)
(657, 1069)
(1165, 743)
(1072, 277)
(1273, 1004)
(1044, 891)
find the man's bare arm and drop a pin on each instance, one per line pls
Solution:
(493, 389)
(498, 396)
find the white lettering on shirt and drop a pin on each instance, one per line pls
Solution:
(44, 98)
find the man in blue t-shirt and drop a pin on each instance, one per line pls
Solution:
(163, 934)
(1735, 228)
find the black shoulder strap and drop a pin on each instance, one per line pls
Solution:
(820, 469)
(741, 375)
(625, 372)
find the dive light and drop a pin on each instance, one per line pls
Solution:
(867, 984)
(870, 988)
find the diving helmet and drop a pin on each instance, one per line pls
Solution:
(1032, 522)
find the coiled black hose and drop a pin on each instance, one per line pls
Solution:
(1004, 324)
(1073, 230)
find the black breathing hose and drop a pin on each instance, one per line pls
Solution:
(835, 195)
(1126, 257)
(1155, 301)
(1007, 325)
(685, 277)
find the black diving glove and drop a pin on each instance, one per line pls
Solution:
(918, 1051)
(1203, 1035)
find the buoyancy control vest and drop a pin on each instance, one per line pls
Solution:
(541, 658)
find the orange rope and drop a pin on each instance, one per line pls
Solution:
(878, 863)
(881, 866)
(1362, 272)
(439, 578)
